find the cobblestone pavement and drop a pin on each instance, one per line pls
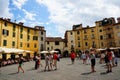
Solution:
(66, 71)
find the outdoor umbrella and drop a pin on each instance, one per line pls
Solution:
(44, 52)
(53, 51)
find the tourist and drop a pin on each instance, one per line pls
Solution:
(109, 60)
(20, 65)
(87, 57)
(93, 61)
(116, 61)
(51, 61)
(39, 62)
(72, 56)
(36, 58)
(55, 58)
(47, 62)
(113, 58)
(83, 56)
(102, 57)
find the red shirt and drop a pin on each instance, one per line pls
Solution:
(72, 55)
(109, 55)
(55, 56)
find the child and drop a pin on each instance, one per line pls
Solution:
(116, 61)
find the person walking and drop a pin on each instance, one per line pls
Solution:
(55, 58)
(113, 58)
(102, 57)
(47, 62)
(39, 61)
(93, 61)
(51, 61)
(87, 57)
(83, 56)
(109, 60)
(72, 56)
(20, 65)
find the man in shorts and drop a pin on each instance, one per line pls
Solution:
(109, 62)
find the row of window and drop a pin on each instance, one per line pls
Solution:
(101, 44)
(56, 42)
(87, 44)
(6, 33)
(21, 29)
(108, 36)
(21, 44)
(85, 31)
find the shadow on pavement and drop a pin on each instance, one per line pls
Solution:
(87, 73)
(13, 73)
(103, 73)
(46, 71)
(31, 69)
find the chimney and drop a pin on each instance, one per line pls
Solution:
(8, 19)
(14, 21)
(118, 20)
(39, 27)
(21, 23)
(87, 26)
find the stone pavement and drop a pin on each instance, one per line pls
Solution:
(66, 71)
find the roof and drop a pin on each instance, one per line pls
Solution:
(53, 39)
(21, 24)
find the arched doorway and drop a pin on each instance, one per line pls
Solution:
(65, 53)
(59, 51)
(4, 56)
(12, 56)
(35, 54)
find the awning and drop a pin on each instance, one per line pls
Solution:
(53, 51)
(12, 50)
(44, 52)
(100, 49)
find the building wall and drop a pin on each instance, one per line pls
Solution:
(116, 29)
(86, 38)
(100, 35)
(71, 40)
(52, 46)
(106, 34)
(27, 33)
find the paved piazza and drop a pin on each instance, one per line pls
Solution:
(65, 71)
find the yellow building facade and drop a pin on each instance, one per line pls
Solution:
(17, 36)
(85, 37)
(105, 33)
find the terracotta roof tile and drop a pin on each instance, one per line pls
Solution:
(53, 39)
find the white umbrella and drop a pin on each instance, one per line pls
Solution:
(113, 48)
(53, 51)
(100, 49)
(10, 50)
(44, 52)
(1, 50)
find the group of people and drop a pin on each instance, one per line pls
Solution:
(88, 57)
(85, 56)
(51, 61)
(110, 60)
